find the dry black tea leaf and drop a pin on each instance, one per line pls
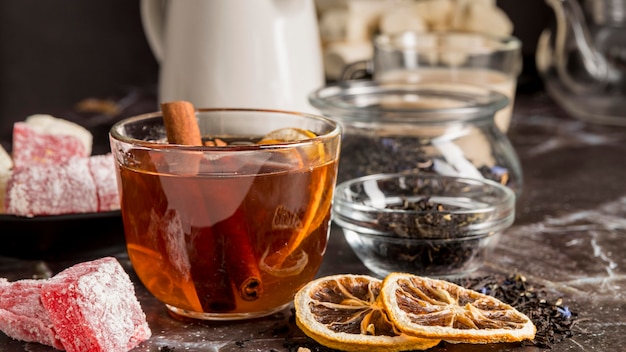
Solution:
(554, 321)
(430, 238)
(368, 154)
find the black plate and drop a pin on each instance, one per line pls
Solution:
(71, 236)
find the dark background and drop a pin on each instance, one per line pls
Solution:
(54, 54)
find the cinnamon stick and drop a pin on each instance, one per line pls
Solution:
(215, 242)
(180, 122)
(208, 271)
(239, 256)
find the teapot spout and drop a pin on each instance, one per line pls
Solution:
(573, 35)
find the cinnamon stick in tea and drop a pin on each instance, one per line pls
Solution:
(211, 278)
(180, 122)
(205, 248)
(240, 260)
(208, 271)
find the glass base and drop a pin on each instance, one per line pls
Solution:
(223, 316)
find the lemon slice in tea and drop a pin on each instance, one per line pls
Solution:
(342, 312)
(439, 309)
(287, 134)
(291, 265)
(275, 263)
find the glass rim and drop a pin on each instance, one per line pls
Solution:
(335, 131)
(506, 43)
(502, 210)
(331, 100)
(390, 237)
(506, 200)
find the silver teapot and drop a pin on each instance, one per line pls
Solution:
(582, 59)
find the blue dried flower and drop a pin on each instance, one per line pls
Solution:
(565, 312)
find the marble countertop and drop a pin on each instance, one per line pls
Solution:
(569, 237)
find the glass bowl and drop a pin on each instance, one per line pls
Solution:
(430, 225)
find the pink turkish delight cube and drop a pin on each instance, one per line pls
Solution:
(31, 146)
(42, 189)
(93, 308)
(23, 316)
(103, 171)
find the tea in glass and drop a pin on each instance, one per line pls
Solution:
(234, 228)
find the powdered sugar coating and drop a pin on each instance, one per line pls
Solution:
(102, 169)
(93, 308)
(48, 124)
(50, 178)
(6, 165)
(31, 146)
(41, 189)
(23, 316)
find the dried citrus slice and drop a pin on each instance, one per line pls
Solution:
(342, 312)
(287, 134)
(439, 309)
(287, 267)
(274, 263)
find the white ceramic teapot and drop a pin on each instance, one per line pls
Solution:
(236, 53)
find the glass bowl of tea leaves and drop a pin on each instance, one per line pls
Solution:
(431, 225)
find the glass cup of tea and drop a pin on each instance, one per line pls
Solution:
(231, 229)
(455, 61)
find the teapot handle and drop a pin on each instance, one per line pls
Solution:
(152, 20)
(570, 20)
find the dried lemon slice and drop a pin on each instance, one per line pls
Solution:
(274, 263)
(287, 134)
(439, 309)
(342, 312)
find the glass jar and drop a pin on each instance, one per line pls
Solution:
(432, 128)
